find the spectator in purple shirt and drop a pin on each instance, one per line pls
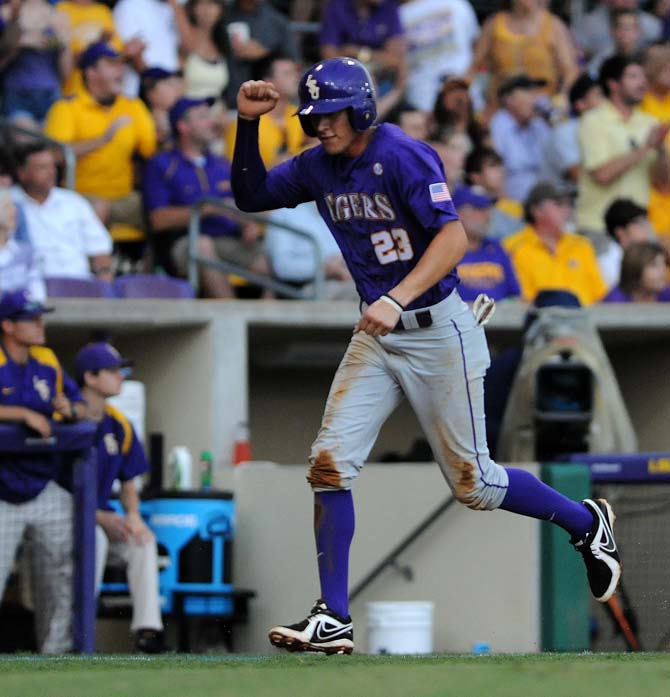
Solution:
(485, 267)
(175, 180)
(34, 58)
(644, 275)
(369, 30)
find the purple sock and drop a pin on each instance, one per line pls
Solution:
(527, 495)
(334, 529)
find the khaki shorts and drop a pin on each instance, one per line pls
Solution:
(231, 249)
(126, 210)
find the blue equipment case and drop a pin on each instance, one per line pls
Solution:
(194, 531)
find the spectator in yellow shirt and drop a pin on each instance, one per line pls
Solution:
(656, 102)
(279, 134)
(105, 129)
(622, 147)
(546, 257)
(90, 22)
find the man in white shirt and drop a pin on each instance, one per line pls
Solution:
(153, 22)
(18, 265)
(440, 35)
(66, 234)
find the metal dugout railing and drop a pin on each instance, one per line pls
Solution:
(312, 292)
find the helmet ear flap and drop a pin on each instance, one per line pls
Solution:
(361, 118)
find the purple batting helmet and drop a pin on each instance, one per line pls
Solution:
(335, 84)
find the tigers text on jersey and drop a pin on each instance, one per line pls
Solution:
(383, 207)
(32, 385)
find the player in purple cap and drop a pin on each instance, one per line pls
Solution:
(35, 391)
(385, 199)
(100, 372)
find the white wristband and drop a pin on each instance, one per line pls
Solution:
(393, 303)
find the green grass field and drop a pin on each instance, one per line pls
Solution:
(545, 675)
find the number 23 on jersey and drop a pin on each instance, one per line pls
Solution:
(392, 245)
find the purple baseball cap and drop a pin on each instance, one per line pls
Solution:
(470, 196)
(94, 52)
(157, 73)
(18, 304)
(98, 356)
(182, 105)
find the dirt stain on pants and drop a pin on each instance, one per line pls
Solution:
(323, 473)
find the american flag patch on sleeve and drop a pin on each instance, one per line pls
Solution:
(439, 192)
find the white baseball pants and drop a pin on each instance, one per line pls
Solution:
(440, 370)
(142, 573)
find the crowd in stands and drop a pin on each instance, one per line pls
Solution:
(552, 129)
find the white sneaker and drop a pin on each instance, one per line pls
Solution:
(322, 631)
(599, 550)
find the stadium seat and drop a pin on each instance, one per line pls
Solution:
(61, 287)
(150, 286)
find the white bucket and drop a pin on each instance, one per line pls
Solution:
(400, 627)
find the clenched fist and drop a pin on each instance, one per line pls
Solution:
(256, 97)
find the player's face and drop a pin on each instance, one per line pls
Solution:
(654, 274)
(337, 135)
(29, 332)
(107, 382)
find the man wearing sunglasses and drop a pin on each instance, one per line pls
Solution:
(100, 372)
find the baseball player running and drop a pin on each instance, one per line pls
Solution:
(385, 199)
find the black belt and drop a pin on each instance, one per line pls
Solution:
(423, 318)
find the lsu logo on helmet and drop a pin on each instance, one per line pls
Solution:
(312, 86)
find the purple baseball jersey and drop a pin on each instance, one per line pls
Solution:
(487, 270)
(120, 454)
(383, 207)
(342, 24)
